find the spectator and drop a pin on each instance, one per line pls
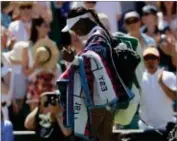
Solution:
(5, 18)
(47, 119)
(18, 83)
(20, 29)
(6, 129)
(40, 67)
(132, 23)
(155, 28)
(170, 14)
(15, 13)
(39, 30)
(163, 86)
(42, 9)
(7, 41)
(10, 82)
(59, 13)
(168, 52)
(150, 20)
(5, 77)
(6, 95)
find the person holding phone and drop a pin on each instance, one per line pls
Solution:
(47, 119)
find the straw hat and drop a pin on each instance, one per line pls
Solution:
(46, 53)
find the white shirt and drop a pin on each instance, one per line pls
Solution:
(155, 106)
(17, 29)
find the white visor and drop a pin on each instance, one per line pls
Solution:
(70, 22)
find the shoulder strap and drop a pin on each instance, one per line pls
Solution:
(101, 33)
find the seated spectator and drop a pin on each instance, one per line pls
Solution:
(156, 105)
(47, 119)
(6, 129)
(20, 29)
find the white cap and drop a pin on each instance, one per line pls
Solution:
(131, 15)
(71, 21)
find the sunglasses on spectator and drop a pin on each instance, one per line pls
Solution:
(26, 7)
(150, 57)
(131, 21)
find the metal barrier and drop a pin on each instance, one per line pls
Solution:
(18, 133)
(115, 131)
(30, 135)
(25, 136)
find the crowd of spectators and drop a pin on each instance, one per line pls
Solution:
(23, 24)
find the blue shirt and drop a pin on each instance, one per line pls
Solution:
(5, 20)
(7, 131)
(148, 40)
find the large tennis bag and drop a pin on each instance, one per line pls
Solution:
(122, 60)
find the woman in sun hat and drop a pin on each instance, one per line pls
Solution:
(45, 54)
(39, 62)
